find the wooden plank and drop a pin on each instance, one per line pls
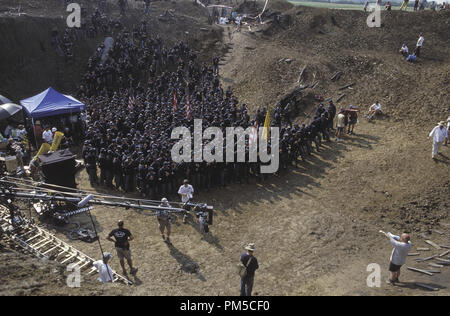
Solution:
(444, 253)
(433, 271)
(420, 271)
(446, 247)
(438, 231)
(433, 244)
(426, 259)
(423, 249)
(426, 286)
(443, 260)
(336, 76)
(301, 73)
(414, 254)
(340, 97)
(347, 86)
(435, 265)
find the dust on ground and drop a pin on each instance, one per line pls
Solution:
(316, 225)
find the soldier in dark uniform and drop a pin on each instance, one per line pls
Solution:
(91, 167)
(118, 172)
(109, 169)
(102, 166)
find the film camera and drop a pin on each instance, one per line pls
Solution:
(204, 214)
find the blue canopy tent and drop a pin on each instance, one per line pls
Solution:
(49, 103)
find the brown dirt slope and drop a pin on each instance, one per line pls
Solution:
(30, 64)
(316, 225)
(332, 40)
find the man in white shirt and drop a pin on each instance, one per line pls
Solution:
(186, 193)
(47, 135)
(105, 273)
(419, 45)
(340, 125)
(163, 217)
(439, 135)
(402, 246)
(448, 130)
(404, 50)
(374, 109)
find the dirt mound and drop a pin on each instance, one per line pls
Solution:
(338, 40)
(32, 64)
(423, 212)
(23, 274)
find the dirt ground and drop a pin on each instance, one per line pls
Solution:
(315, 226)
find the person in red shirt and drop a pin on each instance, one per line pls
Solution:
(352, 114)
(38, 134)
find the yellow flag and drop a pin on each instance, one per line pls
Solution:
(265, 133)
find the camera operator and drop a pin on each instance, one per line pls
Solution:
(164, 220)
(14, 149)
(202, 218)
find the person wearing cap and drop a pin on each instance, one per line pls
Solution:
(163, 218)
(105, 273)
(439, 135)
(22, 132)
(122, 238)
(186, 193)
(250, 261)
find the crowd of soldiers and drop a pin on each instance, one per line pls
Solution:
(97, 24)
(143, 90)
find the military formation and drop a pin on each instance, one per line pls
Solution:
(143, 90)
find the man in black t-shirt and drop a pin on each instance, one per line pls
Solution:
(121, 240)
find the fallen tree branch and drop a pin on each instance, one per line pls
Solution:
(426, 286)
(301, 74)
(420, 271)
(347, 86)
(340, 97)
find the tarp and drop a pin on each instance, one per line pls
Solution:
(4, 100)
(9, 109)
(50, 102)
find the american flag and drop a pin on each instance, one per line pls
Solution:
(131, 102)
(174, 101)
(188, 105)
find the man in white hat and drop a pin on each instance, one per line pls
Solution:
(162, 215)
(439, 135)
(252, 265)
(105, 273)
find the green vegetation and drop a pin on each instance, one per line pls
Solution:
(342, 6)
